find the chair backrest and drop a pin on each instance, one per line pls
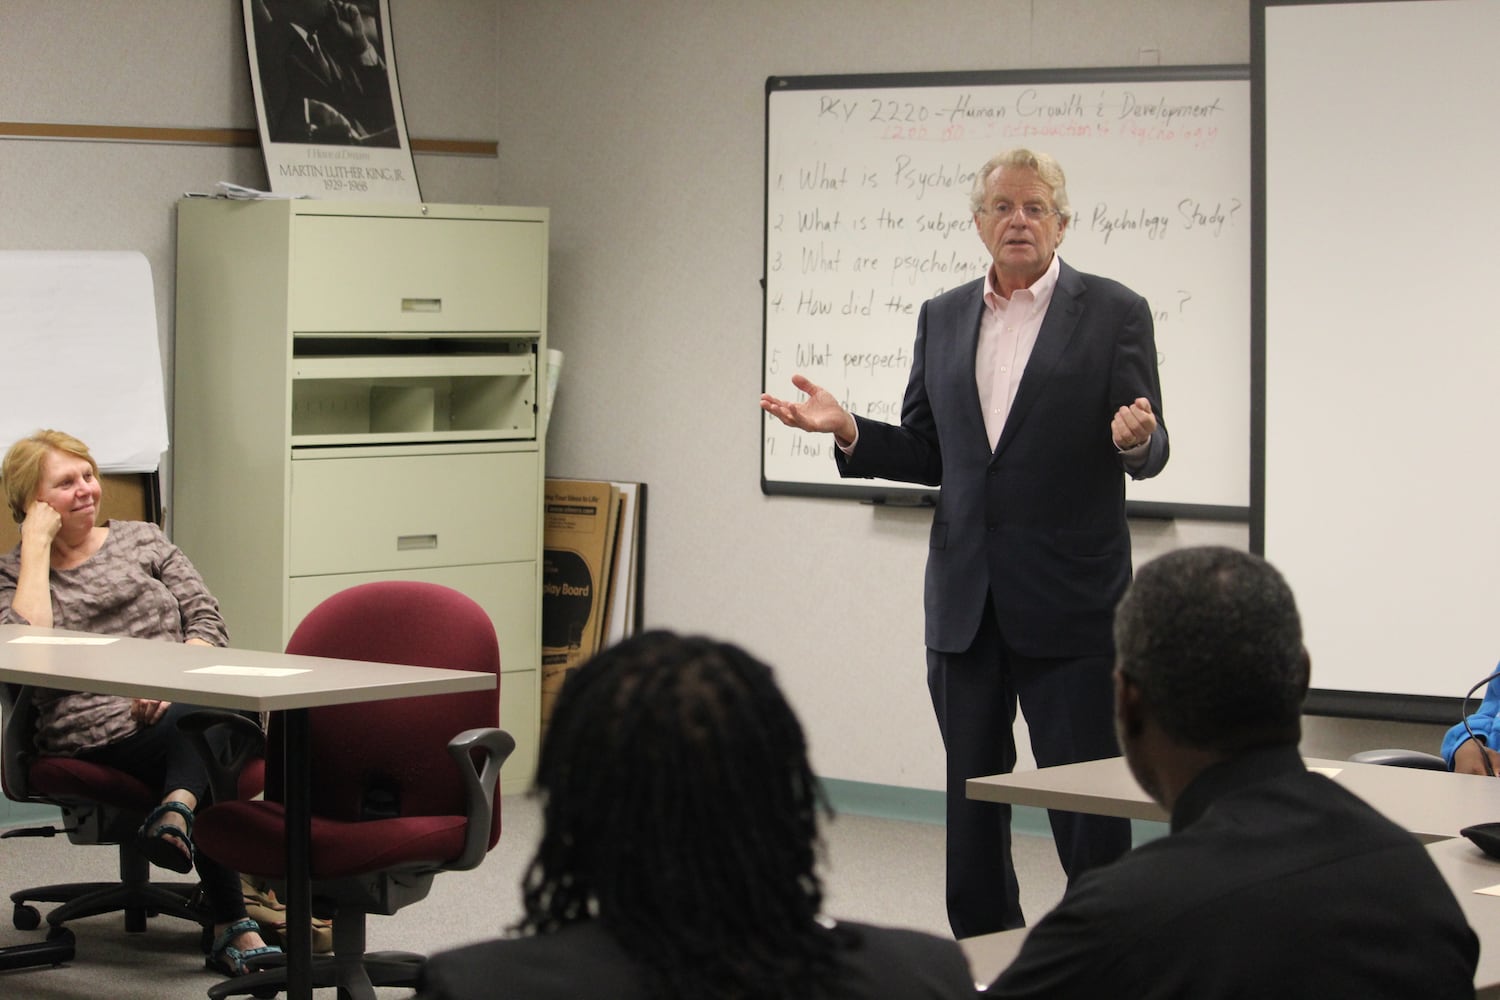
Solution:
(387, 758)
(19, 719)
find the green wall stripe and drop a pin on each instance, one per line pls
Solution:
(859, 798)
(925, 805)
(27, 814)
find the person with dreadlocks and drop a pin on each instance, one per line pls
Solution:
(678, 852)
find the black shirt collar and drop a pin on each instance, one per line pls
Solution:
(1247, 768)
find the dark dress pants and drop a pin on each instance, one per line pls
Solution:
(162, 757)
(1069, 709)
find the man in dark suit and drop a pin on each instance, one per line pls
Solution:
(1032, 391)
(322, 73)
(1275, 881)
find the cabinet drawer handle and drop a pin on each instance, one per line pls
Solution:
(422, 305)
(406, 543)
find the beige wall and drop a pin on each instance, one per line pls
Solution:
(641, 126)
(182, 64)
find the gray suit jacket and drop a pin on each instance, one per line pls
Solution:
(1039, 523)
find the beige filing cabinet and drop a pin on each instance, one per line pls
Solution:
(356, 398)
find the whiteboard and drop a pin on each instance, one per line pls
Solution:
(83, 354)
(1377, 479)
(866, 216)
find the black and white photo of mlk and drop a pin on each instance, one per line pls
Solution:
(323, 73)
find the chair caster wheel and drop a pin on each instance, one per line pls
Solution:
(26, 918)
(135, 920)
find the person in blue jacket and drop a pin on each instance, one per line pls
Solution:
(1468, 748)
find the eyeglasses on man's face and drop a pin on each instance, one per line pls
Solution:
(1032, 211)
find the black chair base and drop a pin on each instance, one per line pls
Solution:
(87, 899)
(355, 978)
(57, 949)
(133, 893)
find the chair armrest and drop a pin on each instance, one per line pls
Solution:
(1401, 758)
(481, 779)
(246, 740)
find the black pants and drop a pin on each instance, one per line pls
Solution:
(164, 759)
(1069, 708)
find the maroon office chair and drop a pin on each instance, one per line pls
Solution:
(401, 789)
(102, 806)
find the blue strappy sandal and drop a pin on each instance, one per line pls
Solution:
(225, 958)
(159, 841)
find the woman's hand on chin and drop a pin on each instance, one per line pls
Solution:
(42, 523)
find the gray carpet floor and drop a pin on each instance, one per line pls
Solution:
(877, 870)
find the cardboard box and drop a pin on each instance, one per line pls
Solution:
(579, 520)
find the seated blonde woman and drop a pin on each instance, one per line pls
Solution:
(118, 578)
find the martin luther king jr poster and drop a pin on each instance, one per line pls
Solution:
(327, 99)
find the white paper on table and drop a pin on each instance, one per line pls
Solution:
(232, 670)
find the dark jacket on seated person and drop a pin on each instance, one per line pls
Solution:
(583, 960)
(1275, 882)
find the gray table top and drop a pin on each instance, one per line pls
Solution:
(1433, 805)
(214, 677)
